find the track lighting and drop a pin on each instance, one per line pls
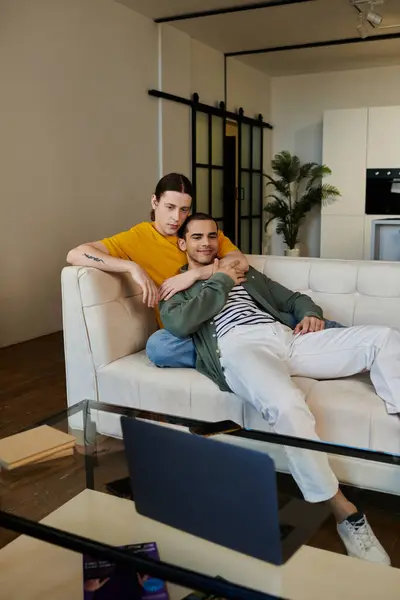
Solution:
(371, 3)
(374, 18)
(362, 26)
(368, 16)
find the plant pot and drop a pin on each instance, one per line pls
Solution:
(293, 252)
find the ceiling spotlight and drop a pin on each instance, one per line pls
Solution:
(374, 18)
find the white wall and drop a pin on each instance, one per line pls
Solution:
(174, 78)
(80, 143)
(297, 105)
(248, 88)
(189, 66)
(207, 73)
(77, 146)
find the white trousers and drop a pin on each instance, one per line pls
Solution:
(259, 360)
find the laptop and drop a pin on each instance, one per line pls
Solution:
(217, 491)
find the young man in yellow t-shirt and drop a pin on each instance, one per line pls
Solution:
(149, 251)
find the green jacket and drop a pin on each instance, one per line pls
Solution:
(191, 313)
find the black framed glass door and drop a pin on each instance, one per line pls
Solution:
(208, 133)
(251, 192)
(227, 174)
(227, 168)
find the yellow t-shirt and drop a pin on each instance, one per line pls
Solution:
(159, 255)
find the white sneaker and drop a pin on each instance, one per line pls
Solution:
(360, 540)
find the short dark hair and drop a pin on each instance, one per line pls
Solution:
(173, 182)
(200, 216)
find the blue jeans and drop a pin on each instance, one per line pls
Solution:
(166, 350)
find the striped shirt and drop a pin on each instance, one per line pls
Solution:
(240, 309)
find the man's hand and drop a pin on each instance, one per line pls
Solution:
(149, 288)
(308, 325)
(178, 283)
(231, 269)
(237, 257)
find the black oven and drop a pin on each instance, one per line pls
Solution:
(382, 195)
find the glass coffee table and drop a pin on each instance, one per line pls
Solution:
(53, 512)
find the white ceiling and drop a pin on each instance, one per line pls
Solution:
(313, 21)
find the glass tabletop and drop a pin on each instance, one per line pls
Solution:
(88, 494)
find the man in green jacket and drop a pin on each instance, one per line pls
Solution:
(241, 327)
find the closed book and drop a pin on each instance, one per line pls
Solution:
(105, 580)
(33, 445)
(55, 455)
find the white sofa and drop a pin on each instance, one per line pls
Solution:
(106, 327)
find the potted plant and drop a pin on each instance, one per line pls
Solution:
(297, 189)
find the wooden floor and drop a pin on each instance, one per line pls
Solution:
(32, 387)
(32, 382)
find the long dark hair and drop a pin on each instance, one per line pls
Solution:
(173, 182)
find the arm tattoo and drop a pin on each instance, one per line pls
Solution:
(94, 258)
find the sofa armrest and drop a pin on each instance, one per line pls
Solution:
(104, 320)
(79, 366)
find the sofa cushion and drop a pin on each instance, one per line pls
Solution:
(347, 411)
(117, 321)
(351, 292)
(378, 280)
(135, 382)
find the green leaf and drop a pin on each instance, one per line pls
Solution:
(305, 171)
(317, 173)
(320, 171)
(297, 189)
(278, 200)
(329, 193)
(277, 209)
(286, 166)
(280, 185)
